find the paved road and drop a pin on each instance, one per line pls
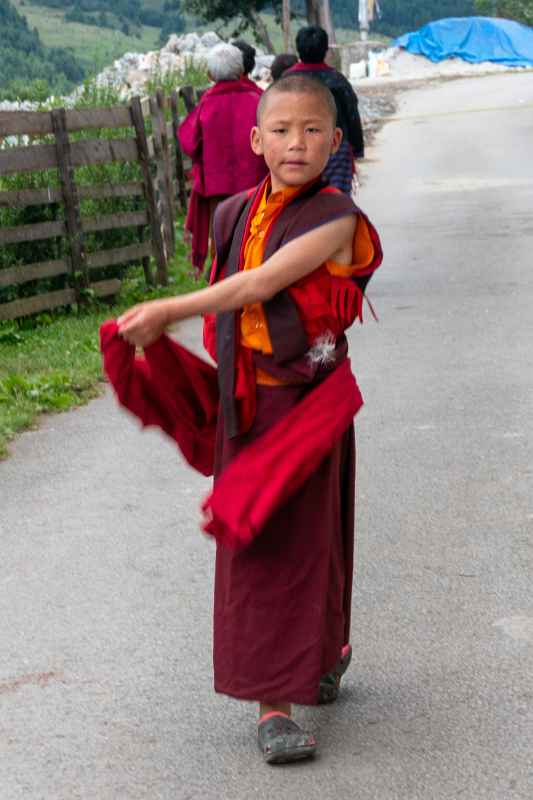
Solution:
(105, 671)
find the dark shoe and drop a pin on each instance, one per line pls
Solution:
(281, 740)
(330, 683)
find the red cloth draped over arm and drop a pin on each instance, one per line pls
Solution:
(170, 388)
(178, 392)
(270, 470)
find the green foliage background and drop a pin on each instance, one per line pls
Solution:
(519, 10)
(49, 46)
(400, 16)
(51, 361)
(24, 59)
(397, 16)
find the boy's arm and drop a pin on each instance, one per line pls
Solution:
(142, 324)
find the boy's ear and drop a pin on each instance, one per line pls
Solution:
(337, 139)
(256, 141)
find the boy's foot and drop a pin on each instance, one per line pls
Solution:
(330, 683)
(281, 740)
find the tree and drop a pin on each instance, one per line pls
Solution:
(519, 10)
(312, 9)
(173, 23)
(247, 14)
(326, 20)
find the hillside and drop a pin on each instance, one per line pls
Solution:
(126, 16)
(94, 47)
(97, 47)
(25, 59)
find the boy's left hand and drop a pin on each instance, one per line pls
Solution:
(143, 324)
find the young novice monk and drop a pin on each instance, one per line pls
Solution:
(293, 257)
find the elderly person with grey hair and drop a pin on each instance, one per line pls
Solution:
(225, 63)
(216, 135)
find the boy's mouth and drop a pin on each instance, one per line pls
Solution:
(295, 163)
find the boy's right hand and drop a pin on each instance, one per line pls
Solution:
(144, 323)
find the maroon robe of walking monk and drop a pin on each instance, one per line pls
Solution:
(216, 135)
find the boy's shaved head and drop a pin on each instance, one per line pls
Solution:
(299, 84)
(296, 130)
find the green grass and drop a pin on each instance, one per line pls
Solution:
(95, 47)
(52, 363)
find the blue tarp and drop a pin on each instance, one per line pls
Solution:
(473, 39)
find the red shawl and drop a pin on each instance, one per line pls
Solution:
(177, 391)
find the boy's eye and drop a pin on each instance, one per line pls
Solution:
(313, 130)
(280, 130)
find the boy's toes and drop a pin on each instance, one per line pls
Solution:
(281, 740)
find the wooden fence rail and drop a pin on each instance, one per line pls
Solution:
(136, 133)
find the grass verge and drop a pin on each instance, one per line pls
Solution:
(52, 362)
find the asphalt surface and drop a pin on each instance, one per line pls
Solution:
(105, 580)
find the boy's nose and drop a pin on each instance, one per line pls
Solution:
(297, 141)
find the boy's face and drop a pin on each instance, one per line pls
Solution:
(296, 136)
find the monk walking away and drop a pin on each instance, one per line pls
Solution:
(312, 45)
(273, 422)
(216, 134)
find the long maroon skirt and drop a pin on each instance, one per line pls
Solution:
(282, 605)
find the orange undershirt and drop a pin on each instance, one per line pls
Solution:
(254, 328)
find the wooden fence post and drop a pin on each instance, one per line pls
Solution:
(187, 92)
(180, 171)
(78, 258)
(151, 201)
(163, 199)
(147, 269)
(167, 169)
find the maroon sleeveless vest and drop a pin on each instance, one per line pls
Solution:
(312, 208)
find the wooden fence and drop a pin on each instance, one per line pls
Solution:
(145, 138)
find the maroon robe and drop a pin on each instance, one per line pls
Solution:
(282, 605)
(284, 480)
(216, 135)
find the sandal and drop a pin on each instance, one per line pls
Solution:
(281, 740)
(330, 683)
